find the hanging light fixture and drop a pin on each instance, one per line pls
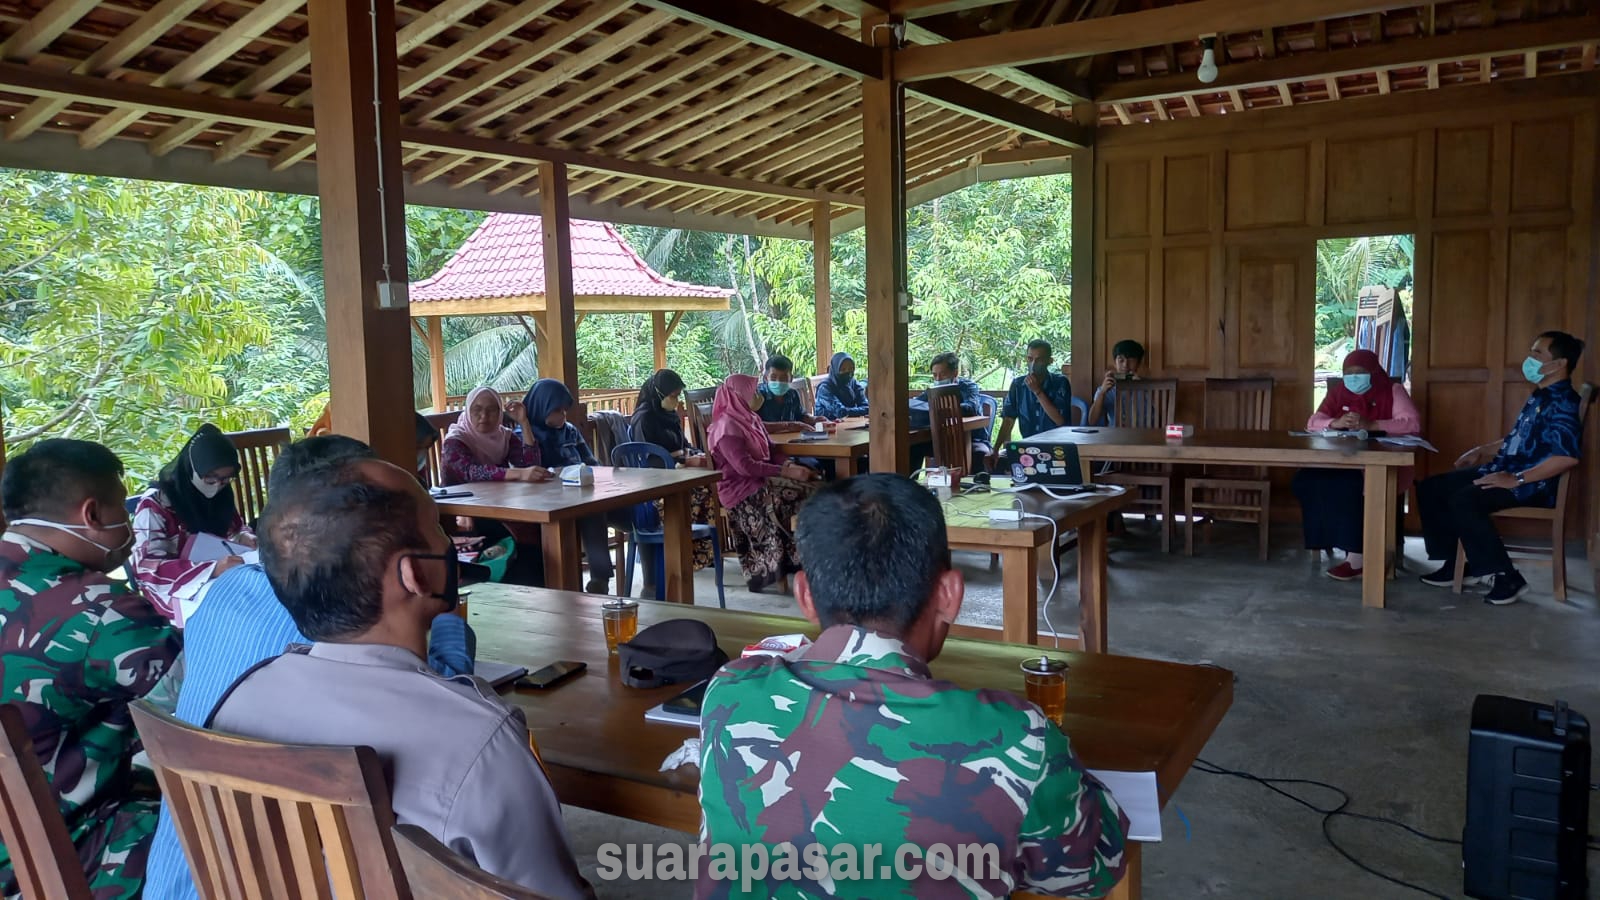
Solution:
(1208, 60)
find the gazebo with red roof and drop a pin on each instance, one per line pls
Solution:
(500, 270)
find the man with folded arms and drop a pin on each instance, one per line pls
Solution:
(354, 551)
(853, 742)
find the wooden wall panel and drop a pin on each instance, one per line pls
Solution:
(1188, 195)
(1268, 188)
(1268, 311)
(1453, 402)
(1371, 179)
(1461, 304)
(1127, 200)
(1463, 171)
(1541, 165)
(1127, 297)
(1536, 287)
(1186, 324)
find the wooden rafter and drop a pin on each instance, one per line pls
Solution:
(774, 29)
(649, 108)
(721, 149)
(45, 26)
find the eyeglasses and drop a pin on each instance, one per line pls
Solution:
(222, 481)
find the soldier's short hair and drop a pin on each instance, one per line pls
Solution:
(56, 475)
(326, 538)
(872, 547)
(948, 360)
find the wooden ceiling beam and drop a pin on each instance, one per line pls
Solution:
(763, 91)
(1398, 53)
(731, 143)
(650, 107)
(952, 93)
(44, 27)
(921, 9)
(777, 30)
(476, 41)
(1049, 80)
(1129, 31)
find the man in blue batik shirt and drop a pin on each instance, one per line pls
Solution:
(1522, 470)
(1038, 401)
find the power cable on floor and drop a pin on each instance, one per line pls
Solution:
(1329, 814)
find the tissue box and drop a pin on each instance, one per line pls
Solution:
(777, 645)
(1180, 431)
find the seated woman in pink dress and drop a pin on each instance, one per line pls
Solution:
(479, 447)
(192, 496)
(1364, 399)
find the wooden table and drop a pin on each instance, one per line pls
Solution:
(1379, 463)
(1123, 714)
(557, 509)
(847, 445)
(1019, 545)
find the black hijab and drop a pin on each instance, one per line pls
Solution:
(206, 452)
(654, 423)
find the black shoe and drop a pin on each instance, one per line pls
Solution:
(1445, 576)
(1508, 588)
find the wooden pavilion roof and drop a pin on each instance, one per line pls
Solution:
(733, 115)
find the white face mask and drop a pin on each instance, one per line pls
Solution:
(206, 488)
(115, 556)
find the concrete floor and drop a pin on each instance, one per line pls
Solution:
(1374, 701)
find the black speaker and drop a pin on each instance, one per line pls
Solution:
(1527, 828)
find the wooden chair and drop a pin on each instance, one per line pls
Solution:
(441, 421)
(808, 398)
(1556, 553)
(439, 873)
(1233, 494)
(1150, 403)
(258, 819)
(42, 856)
(258, 450)
(698, 404)
(952, 446)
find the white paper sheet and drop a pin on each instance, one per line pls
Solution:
(1136, 793)
(208, 547)
(1408, 440)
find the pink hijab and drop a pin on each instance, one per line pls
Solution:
(490, 449)
(731, 415)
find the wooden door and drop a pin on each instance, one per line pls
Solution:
(1269, 324)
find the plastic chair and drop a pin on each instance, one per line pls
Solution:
(1081, 407)
(647, 528)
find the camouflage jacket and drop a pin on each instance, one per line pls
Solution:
(855, 743)
(75, 648)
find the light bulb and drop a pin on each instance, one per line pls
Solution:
(1208, 64)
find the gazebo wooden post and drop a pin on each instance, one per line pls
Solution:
(560, 318)
(883, 120)
(821, 255)
(658, 333)
(436, 361)
(362, 189)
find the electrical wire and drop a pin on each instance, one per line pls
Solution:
(1055, 567)
(1331, 813)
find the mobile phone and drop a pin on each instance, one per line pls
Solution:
(1085, 430)
(688, 702)
(552, 675)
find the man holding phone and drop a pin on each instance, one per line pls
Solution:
(1038, 401)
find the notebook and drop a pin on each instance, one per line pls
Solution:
(683, 709)
(498, 674)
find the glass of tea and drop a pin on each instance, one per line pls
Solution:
(1046, 680)
(621, 619)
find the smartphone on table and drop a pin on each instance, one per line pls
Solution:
(552, 675)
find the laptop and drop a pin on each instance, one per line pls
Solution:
(1045, 463)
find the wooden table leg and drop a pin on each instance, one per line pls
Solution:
(1377, 517)
(1391, 530)
(679, 547)
(562, 571)
(845, 467)
(1130, 887)
(1019, 591)
(1092, 585)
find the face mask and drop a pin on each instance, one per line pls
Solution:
(206, 488)
(451, 595)
(777, 388)
(1533, 370)
(669, 402)
(946, 383)
(115, 556)
(1358, 383)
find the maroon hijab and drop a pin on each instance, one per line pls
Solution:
(1375, 405)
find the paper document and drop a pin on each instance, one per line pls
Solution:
(498, 673)
(1408, 440)
(208, 547)
(1136, 793)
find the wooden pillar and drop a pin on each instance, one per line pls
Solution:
(821, 256)
(361, 186)
(883, 121)
(436, 361)
(658, 331)
(541, 341)
(560, 317)
(1083, 284)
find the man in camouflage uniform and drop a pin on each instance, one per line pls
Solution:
(852, 742)
(76, 647)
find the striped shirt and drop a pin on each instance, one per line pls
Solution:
(240, 624)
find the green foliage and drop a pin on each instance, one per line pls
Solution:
(1344, 267)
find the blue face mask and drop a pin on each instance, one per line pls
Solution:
(777, 388)
(1358, 383)
(1533, 370)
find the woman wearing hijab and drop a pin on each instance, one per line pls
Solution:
(192, 496)
(560, 445)
(760, 492)
(656, 421)
(1366, 398)
(478, 447)
(839, 394)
